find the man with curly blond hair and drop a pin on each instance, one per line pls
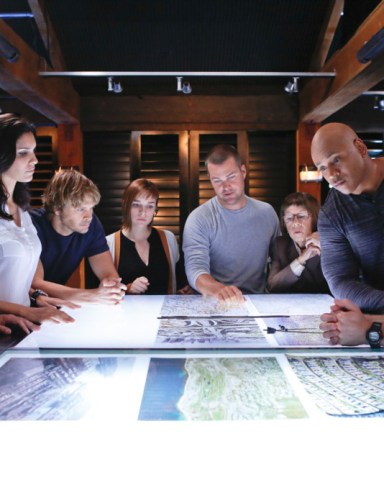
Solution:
(69, 231)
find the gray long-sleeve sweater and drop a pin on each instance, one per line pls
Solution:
(230, 245)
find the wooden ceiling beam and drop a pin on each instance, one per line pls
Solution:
(320, 98)
(189, 112)
(54, 98)
(47, 34)
(327, 34)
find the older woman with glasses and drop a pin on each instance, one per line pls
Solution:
(295, 256)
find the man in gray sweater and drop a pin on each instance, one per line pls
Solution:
(226, 240)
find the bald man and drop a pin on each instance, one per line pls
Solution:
(351, 222)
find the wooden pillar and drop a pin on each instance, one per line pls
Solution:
(70, 146)
(243, 149)
(70, 154)
(304, 135)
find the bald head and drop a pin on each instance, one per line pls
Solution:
(331, 137)
(343, 159)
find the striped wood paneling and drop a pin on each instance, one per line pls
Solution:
(47, 164)
(159, 163)
(271, 169)
(107, 163)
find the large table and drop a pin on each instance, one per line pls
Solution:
(132, 396)
(135, 322)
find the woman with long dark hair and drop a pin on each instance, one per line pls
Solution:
(19, 244)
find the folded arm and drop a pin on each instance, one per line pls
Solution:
(342, 269)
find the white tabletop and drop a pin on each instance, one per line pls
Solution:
(119, 446)
(135, 323)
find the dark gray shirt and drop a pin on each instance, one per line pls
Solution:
(351, 231)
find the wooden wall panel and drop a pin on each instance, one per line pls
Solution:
(304, 135)
(174, 161)
(159, 162)
(46, 153)
(189, 112)
(107, 163)
(271, 169)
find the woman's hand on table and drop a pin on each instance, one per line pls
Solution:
(8, 320)
(139, 285)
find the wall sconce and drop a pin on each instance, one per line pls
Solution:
(309, 174)
(113, 86)
(292, 87)
(184, 87)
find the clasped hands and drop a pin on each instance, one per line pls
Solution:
(345, 324)
(111, 291)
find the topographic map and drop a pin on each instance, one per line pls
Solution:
(218, 389)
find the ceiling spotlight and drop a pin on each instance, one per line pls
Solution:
(113, 86)
(117, 87)
(184, 87)
(379, 104)
(292, 87)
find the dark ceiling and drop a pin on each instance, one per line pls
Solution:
(171, 35)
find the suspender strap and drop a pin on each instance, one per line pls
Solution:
(163, 239)
(164, 242)
(117, 249)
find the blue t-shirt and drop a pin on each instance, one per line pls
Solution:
(60, 254)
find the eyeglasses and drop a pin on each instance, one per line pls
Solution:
(300, 218)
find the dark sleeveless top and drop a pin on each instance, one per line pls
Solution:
(131, 265)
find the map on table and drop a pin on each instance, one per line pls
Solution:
(296, 331)
(218, 389)
(196, 386)
(199, 306)
(210, 332)
(66, 388)
(343, 385)
(194, 321)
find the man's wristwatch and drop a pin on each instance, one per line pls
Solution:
(374, 335)
(35, 295)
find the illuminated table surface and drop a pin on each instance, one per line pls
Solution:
(121, 445)
(134, 323)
